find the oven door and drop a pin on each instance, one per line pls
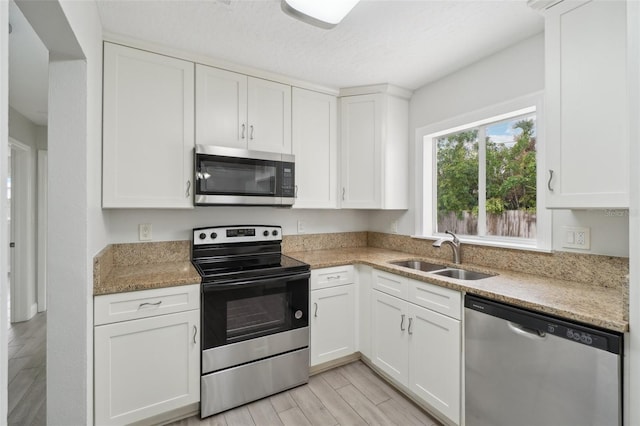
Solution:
(237, 315)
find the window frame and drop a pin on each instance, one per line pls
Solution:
(426, 191)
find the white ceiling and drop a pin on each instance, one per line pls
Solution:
(406, 43)
(28, 69)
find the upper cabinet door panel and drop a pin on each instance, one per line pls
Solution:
(221, 107)
(361, 133)
(269, 114)
(586, 105)
(315, 144)
(148, 121)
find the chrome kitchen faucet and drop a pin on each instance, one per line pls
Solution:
(455, 245)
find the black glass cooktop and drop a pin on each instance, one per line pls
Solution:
(243, 268)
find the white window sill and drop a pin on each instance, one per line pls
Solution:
(490, 243)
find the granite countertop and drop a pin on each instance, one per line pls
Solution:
(146, 277)
(591, 304)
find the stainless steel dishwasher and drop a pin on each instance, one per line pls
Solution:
(528, 369)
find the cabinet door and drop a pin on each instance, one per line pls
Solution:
(389, 348)
(315, 144)
(148, 124)
(269, 114)
(361, 138)
(586, 105)
(332, 323)
(221, 107)
(146, 367)
(434, 360)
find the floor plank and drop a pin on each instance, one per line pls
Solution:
(363, 382)
(282, 402)
(294, 417)
(239, 417)
(312, 407)
(337, 406)
(27, 372)
(363, 405)
(263, 413)
(335, 378)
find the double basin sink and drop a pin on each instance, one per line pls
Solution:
(434, 268)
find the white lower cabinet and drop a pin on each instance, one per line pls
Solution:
(145, 367)
(333, 314)
(418, 347)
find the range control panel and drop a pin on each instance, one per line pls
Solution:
(236, 234)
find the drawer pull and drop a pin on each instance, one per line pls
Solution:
(333, 277)
(142, 305)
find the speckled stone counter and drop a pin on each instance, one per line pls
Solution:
(143, 266)
(601, 306)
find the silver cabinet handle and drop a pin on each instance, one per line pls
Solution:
(402, 323)
(142, 305)
(243, 128)
(188, 189)
(296, 194)
(315, 313)
(251, 132)
(343, 190)
(195, 333)
(409, 328)
(333, 277)
(550, 178)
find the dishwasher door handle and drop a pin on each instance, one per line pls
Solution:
(530, 333)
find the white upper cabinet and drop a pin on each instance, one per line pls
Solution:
(239, 111)
(315, 145)
(221, 107)
(586, 105)
(374, 149)
(148, 120)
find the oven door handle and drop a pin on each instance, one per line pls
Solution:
(212, 287)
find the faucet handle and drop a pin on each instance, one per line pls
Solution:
(455, 239)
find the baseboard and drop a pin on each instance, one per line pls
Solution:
(171, 416)
(33, 310)
(321, 368)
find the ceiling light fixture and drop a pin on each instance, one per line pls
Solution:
(321, 13)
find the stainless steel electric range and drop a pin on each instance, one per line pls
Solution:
(255, 324)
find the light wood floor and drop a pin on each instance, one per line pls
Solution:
(27, 372)
(348, 395)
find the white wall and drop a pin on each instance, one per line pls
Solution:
(4, 153)
(22, 129)
(122, 225)
(71, 30)
(509, 74)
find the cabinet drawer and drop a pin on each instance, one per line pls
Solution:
(439, 299)
(145, 303)
(392, 284)
(331, 277)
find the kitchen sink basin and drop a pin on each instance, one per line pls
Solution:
(462, 274)
(419, 265)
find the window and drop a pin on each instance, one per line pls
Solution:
(481, 178)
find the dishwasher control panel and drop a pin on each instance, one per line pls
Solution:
(528, 321)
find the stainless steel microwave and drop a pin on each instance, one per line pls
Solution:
(231, 176)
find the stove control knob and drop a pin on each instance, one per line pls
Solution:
(265, 233)
(214, 235)
(298, 314)
(274, 233)
(203, 236)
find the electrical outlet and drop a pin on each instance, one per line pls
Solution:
(300, 227)
(394, 227)
(144, 232)
(577, 237)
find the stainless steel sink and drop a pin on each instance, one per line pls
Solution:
(419, 265)
(462, 274)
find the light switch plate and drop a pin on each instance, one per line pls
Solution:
(300, 227)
